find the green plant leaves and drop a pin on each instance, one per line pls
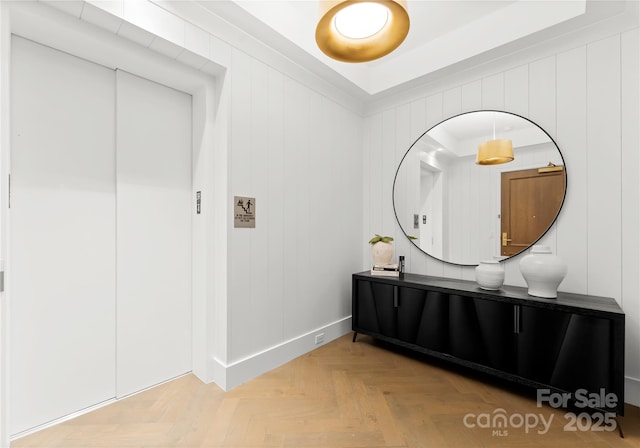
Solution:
(379, 238)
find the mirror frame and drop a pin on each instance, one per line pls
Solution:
(395, 178)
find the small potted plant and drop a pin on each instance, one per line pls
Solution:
(381, 249)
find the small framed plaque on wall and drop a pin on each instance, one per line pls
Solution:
(244, 212)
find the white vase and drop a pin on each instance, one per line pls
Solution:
(490, 275)
(382, 252)
(543, 271)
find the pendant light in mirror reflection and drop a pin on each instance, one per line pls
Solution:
(496, 151)
(361, 31)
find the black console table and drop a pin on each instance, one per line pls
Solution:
(569, 344)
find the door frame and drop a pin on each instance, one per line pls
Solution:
(44, 24)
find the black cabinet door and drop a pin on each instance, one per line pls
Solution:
(482, 331)
(497, 322)
(539, 342)
(465, 338)
(566, 351)
(433, 330)
(584, 361)
(375, 310)
(412, 315)
(410, 304)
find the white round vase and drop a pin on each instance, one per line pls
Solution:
(382, 252)
(490, 275)
(543, 271)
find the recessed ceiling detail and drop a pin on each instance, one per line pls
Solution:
(444, 36)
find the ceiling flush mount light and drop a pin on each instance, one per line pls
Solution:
(361, 31)
(494, 152)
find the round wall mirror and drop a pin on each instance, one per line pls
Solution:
(462, 212)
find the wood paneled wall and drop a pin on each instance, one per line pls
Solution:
(298, 153)
(586, 98)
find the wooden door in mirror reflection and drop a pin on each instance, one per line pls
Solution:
(530, 202)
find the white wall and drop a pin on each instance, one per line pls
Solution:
(586, 97)
(298, 153)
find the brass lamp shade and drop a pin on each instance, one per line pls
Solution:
(494, 152)
(346, 49)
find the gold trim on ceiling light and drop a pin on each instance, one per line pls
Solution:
(345, 49)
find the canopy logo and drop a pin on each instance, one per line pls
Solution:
(500, 422)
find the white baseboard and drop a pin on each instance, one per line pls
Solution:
(632, 391)
(231, 375)
(218, 374)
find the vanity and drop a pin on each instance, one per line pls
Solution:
(574, 343)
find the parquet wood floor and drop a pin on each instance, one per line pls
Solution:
(343, 394)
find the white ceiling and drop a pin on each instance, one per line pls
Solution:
(444, 34)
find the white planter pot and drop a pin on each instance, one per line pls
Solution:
(490, 275)
(543, 272)
(382, 252)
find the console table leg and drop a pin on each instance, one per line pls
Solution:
(355, 335)
(619, 426)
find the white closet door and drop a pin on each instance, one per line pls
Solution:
(62, 246)
(154, 233)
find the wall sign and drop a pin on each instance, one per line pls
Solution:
(244, 212)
